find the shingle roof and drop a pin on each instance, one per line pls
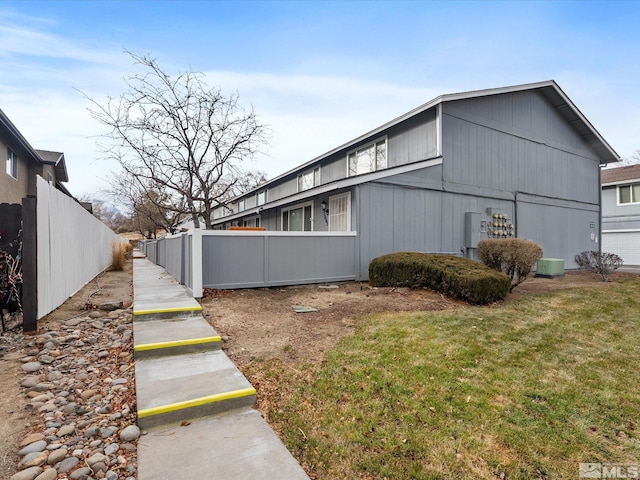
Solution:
(620, 174)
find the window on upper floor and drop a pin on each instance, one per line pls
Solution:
(628, 194)
(309, 179)
(261, 198)
(12, 163)
(241, 205)
(298, 218)
(368, 159)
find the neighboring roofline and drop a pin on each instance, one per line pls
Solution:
(621, 182)
(59, 163)
(13, 130)
(433, 103)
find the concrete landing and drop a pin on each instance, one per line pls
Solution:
(236, 445)
(184, 387)
(158, 295)
(173, 336)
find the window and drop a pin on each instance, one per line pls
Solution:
(629, 194)
(340, 213)
(12, 163)
(251, 222)
(368, 159)
(241, 205)
(298, 219)
(261, 198)
(309, 179)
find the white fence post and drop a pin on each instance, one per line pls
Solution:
(196, 263)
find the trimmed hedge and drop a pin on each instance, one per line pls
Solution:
(513, 256)
(453, 276)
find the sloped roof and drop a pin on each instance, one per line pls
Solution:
(550, 89)
(57, 160)
(612, 176)
(25, 150)
(22, 146)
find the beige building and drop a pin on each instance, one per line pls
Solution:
(23, 163)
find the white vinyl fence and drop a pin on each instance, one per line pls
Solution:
(73, 247)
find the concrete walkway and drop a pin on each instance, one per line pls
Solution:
(193, 402)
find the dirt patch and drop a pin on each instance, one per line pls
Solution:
(261, 323)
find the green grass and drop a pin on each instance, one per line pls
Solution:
(525, 390)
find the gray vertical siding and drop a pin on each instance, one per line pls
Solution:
(413, 140)
(517, 142)
(516, 153)
(392, 218)
(562, 232)
(334, 168)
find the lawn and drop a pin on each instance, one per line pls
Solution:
(523, 390)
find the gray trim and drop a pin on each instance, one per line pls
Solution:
(343, 183)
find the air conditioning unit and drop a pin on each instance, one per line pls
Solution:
(550, 268)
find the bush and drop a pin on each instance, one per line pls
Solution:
(603, 263)
(119, 254)
(512, 256)
(453, 276)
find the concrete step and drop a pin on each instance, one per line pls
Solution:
(184, 387)
(235, 445)
(158, 295)
(173, 336)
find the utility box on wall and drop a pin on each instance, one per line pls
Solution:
(471, 229)
(550, 268)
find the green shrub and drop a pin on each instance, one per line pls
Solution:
(512, 256)
(603, 263)
(453, 276)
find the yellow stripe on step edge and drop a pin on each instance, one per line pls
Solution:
(168, 310)
(176, 343)
(197, 402)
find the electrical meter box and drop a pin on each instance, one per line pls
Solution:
(471, 229)
(550, 268)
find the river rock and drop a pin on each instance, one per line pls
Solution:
(34, 459)
(57, 456)
(31, 438)
(130, 433)
(36, 446)
(31, 366)
(27, 474)
(50, 474)
(67, 464)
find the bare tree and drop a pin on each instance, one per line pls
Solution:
(151, 207)
(179, 135)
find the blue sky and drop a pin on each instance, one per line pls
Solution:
(319, 73)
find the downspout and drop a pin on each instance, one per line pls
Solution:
(600, 209)
(515, 213)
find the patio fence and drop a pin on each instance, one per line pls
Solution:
(250, 259)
